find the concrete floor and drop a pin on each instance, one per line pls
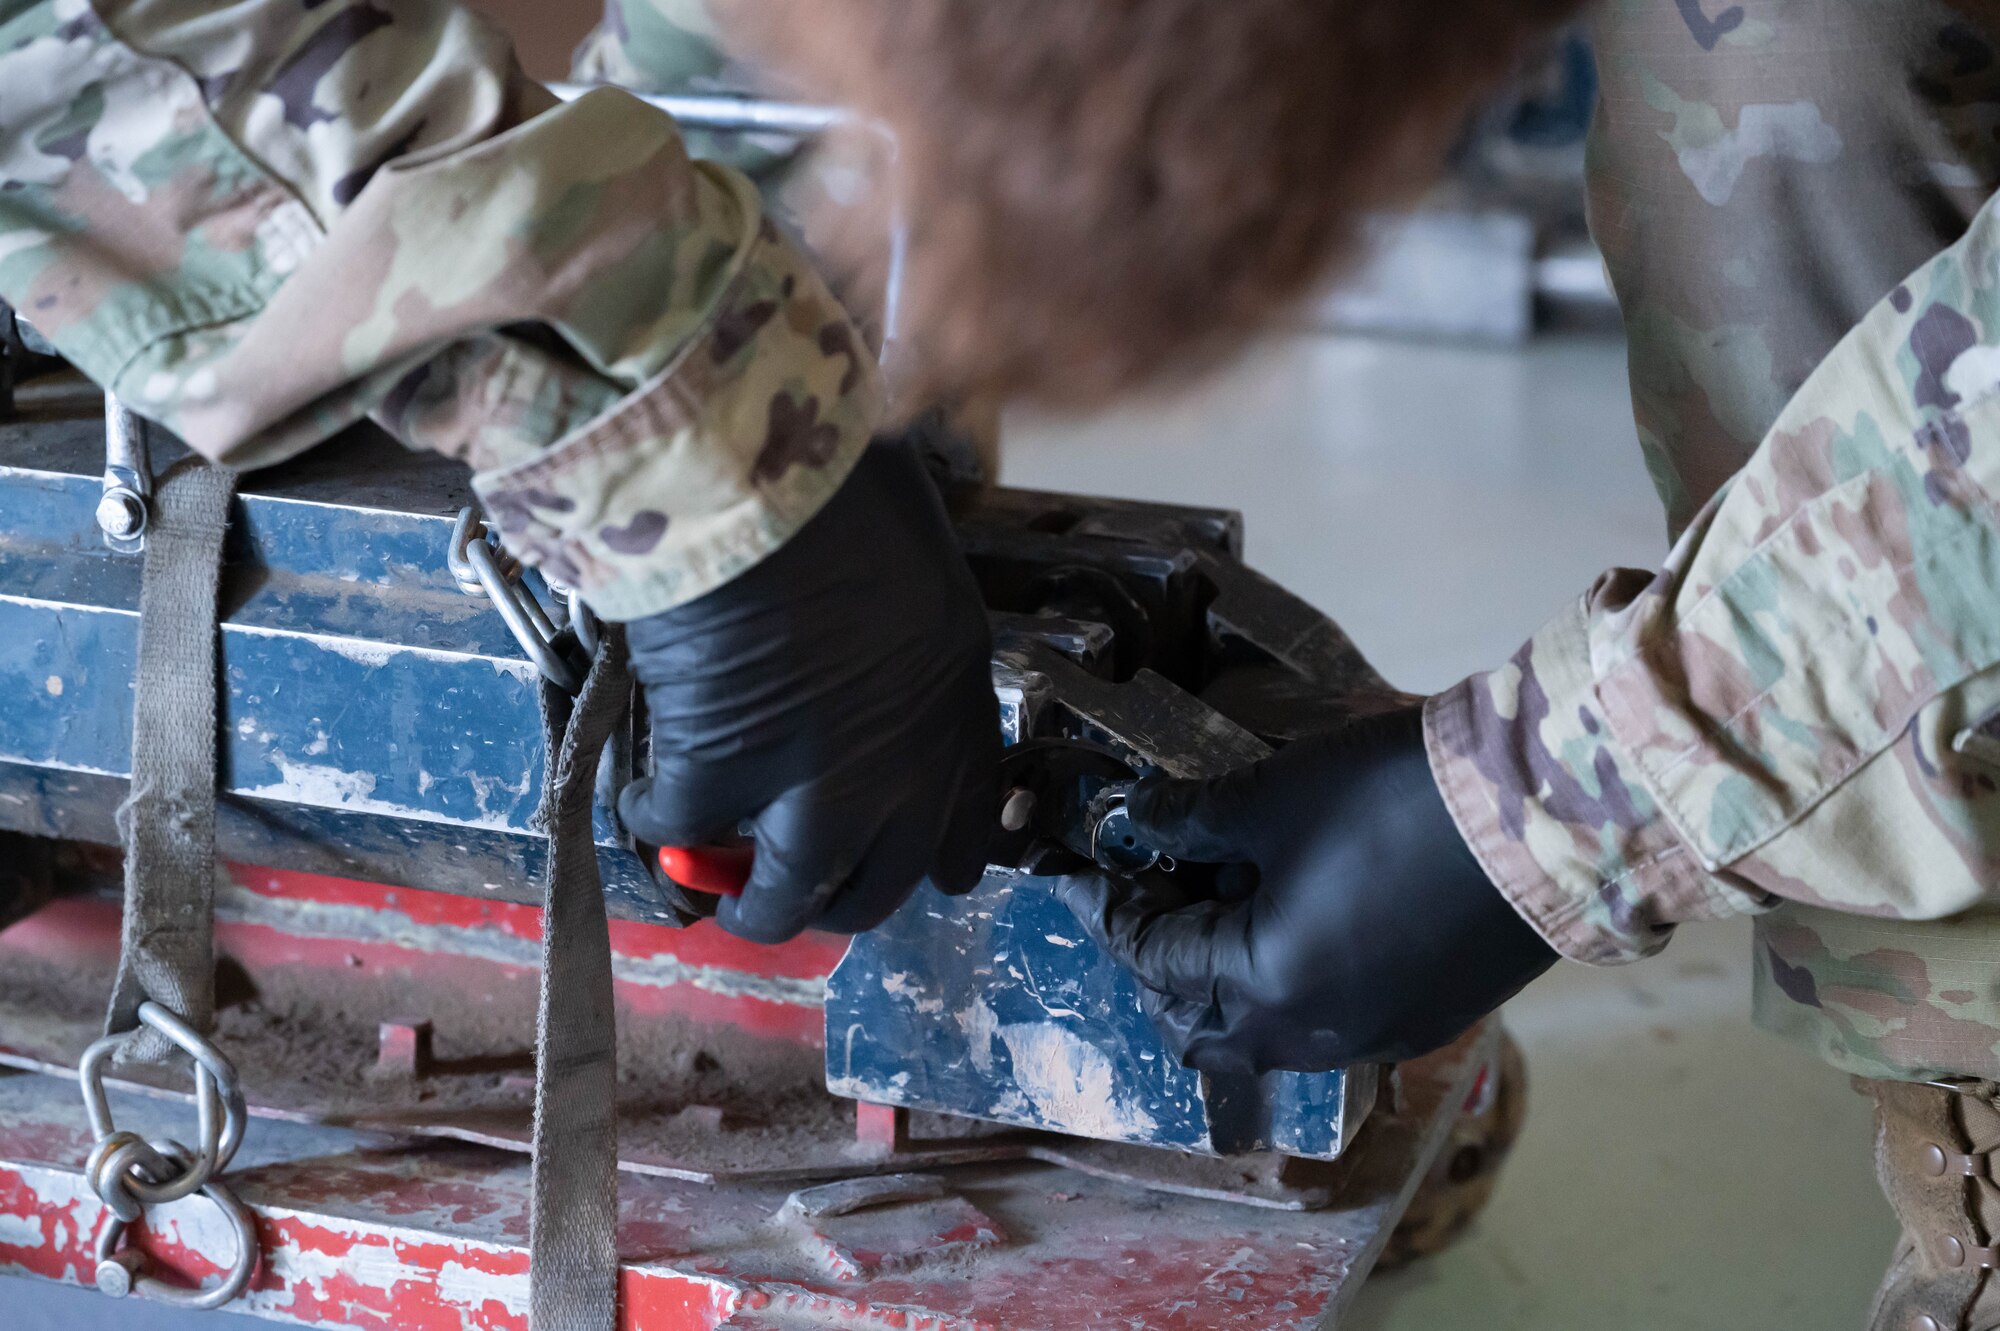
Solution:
(1679, 1169)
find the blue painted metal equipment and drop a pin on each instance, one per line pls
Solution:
(381, 724)
(996, 1004)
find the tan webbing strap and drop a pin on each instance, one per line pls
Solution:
(572, 1244)
(167, 822)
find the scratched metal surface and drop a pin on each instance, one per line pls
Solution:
(719, 1039)
(376, 721)
(363, 1231)
(1024, 1020)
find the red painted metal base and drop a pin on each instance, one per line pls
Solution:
(378, 1228)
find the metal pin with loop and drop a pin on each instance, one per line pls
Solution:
(130, 1173)
(125, 502)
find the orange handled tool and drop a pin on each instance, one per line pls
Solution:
(720, 871)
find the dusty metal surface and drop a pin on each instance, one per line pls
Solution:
(380, 1228)
(325, 981)
(366, 1231)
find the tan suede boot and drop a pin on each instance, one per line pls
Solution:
(1935, 1147)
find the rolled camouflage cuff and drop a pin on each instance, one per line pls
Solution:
(1540, 790)
(712, 464)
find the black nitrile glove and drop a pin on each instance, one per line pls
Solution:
(838, 695)
(1363, 931)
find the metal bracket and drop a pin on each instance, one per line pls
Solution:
(124, 507)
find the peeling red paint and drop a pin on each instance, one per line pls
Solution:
(84, 931)
(347, 1274)
(259, 947)
(64, 1222)
(355, 1266)
(811, 957)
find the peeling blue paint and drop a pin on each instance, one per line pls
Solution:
(375, 720)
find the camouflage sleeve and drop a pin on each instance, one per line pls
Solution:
(1804, 703)
(259, 221)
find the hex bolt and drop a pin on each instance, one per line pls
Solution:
(1018, 810)
(121, 514)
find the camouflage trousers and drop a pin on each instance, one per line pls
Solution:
(1936, 1147)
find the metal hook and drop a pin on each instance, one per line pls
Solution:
(478, 569)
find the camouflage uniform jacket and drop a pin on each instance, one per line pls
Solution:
(261, 220)
(1799, 714)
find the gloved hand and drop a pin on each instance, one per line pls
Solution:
(1354, 926)
(838, 695)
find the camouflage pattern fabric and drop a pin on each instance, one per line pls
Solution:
(261, 220)
(1799, 714)
(675, 47)
(664, 46)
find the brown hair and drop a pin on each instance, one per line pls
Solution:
(1105, 192)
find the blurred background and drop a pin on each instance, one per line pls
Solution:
(1439, 455)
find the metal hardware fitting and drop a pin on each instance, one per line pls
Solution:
(1113, 843)
(123, 507)
(120, 1273)
(478, 568)
(127, 1172)
(130, 1173)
